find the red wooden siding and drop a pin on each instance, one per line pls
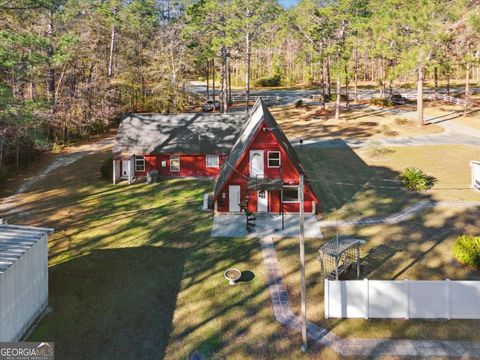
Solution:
(190, 165)
(267, 142)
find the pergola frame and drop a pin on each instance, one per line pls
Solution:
(344, 251)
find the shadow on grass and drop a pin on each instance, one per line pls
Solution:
(113, 303)
(342, 180)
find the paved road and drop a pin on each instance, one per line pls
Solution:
(289, 96)
(453, 134)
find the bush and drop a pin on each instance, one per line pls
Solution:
(375, 149)
(333, 97)
(298, 103)
(107, 169)
(416, 180)
(274, 80)
(381, 102)
(401, 121)
(387, 130)
(467, 250)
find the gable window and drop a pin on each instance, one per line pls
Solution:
(139, 163)
(213, 161)
(290, 194)
(274, 159)
(175, 163)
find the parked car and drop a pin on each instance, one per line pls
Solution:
(398, 99)
(211, 105)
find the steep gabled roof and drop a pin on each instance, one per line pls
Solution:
(202, 133)
(257, 116)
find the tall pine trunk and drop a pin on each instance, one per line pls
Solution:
(213, 79)
(112, 48)
(467, 87)
(355, 89)
(223, 75)
(337, 99)
(248, 55)
(208, 80)
(435, 80)
(329, 82)
(322, 75)
(420, 97)
(51, 70)
(347, 100)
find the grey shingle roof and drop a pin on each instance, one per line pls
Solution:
(178, 134)
(16, 241)
(257, 115)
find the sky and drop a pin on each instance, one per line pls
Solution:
(287, 3)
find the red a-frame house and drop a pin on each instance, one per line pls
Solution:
(262, 171)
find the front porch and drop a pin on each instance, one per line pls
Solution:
(233, 225)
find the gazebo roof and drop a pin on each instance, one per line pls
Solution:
(337, 246)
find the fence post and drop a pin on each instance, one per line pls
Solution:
(326, 296)
(448, 297)
(367, 297)
(407, 299)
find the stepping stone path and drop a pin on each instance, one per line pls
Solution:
(362, 347)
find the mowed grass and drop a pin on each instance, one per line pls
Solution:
(134, 273)
(353, 185)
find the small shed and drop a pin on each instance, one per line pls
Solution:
(23, 278)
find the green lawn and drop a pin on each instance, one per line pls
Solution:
(135, 275)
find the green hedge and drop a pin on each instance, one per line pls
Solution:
(467, 250)
(381, 102)
(269, 81)
(107, 169)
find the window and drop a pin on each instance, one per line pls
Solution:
(290, 194)
(274, 159)
(213, 161)
(175, 163)
(139, 163)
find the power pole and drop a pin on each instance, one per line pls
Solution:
(302, 269)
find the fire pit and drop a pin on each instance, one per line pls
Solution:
(232, 275)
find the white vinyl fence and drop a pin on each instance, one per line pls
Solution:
(402, 299)
(475, 165)
(23, 278)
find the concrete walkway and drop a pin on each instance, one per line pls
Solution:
(234, 225)
(353, 347)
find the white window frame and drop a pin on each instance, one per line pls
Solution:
(140, 159)
(217, 161)
(279, 159)
(298, 194)
(174, 157)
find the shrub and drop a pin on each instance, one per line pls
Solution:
(387, 130)
(298, 103)
(274, 80)
(107, 169)
(375, 149)
(467, 250)
(401, 121)
(333, 97)
(381, 102)
(416, 180)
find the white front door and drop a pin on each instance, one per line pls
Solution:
(262, 201)
(125, 168)
(256, 163)
(234, 198)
